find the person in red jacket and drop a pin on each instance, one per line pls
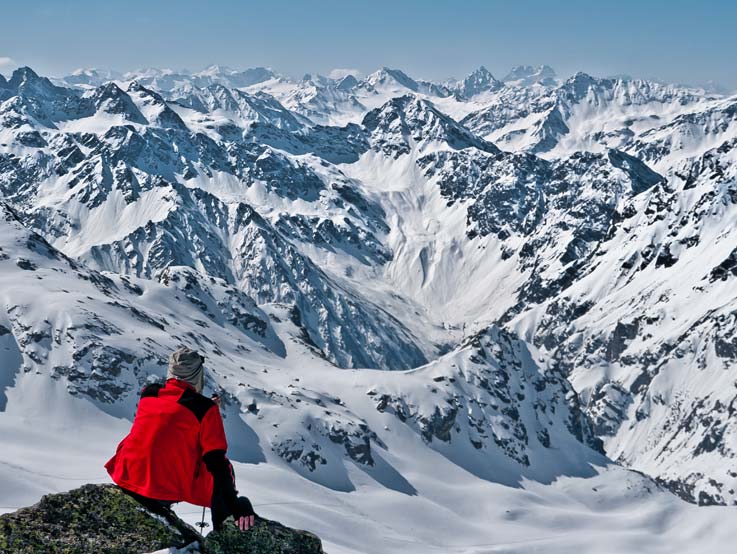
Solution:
(176, 449)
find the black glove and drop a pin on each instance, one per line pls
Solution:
(220, 511)
(243, 508)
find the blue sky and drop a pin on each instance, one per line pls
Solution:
(674, 40)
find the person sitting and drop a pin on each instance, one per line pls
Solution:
(176, 448)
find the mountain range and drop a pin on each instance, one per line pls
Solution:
(528, 277)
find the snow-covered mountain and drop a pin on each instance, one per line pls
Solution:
(583, 113)
(486, 420)
(479, 81)
(526, 75)
(546, 266)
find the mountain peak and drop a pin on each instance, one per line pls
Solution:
(22, 75)
(109, 90)
(111, 87)
(581, 82)
(316, 79)
(479, 80)
(581, 76)
(233, 77)
(25, 79)
(346, 83)
(526, 75)
(385, 74)
(136, 86)
(152, 72)
(215, 69)
(110, 98)
(89, 76)
(410, 116)
(88, 71)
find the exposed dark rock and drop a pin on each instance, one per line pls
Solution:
(725, 269)
(356, 440)
(267, 537)
(665, 257)
(91, 519)
(439, 424)
(622, 334)
(27, 265)
(297, 450)
(608, 407)
(687, 491)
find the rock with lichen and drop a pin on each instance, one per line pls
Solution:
(103, 519)
(266, 537)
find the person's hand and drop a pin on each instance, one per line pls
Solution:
(216, 398)
(244, 516)
(244, 523)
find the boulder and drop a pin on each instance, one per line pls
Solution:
(103, 519)
(266, 537)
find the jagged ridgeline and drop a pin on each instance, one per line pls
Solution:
(487, 405)
(569, 240)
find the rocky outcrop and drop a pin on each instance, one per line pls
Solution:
(103, 519)
(267, 537)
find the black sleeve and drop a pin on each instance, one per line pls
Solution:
(224, 481)
(225, 499)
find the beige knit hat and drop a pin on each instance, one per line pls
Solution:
(187, 365)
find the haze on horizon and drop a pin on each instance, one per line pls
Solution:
(673, 40)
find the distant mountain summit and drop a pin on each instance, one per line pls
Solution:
(526, 75)
(90, 76)
(480, 80)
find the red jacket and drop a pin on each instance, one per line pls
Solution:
(161, 458)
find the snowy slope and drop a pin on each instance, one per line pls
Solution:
(647, 334)
(503, 436)
(292, 227)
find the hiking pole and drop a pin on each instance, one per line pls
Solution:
(202, 524)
